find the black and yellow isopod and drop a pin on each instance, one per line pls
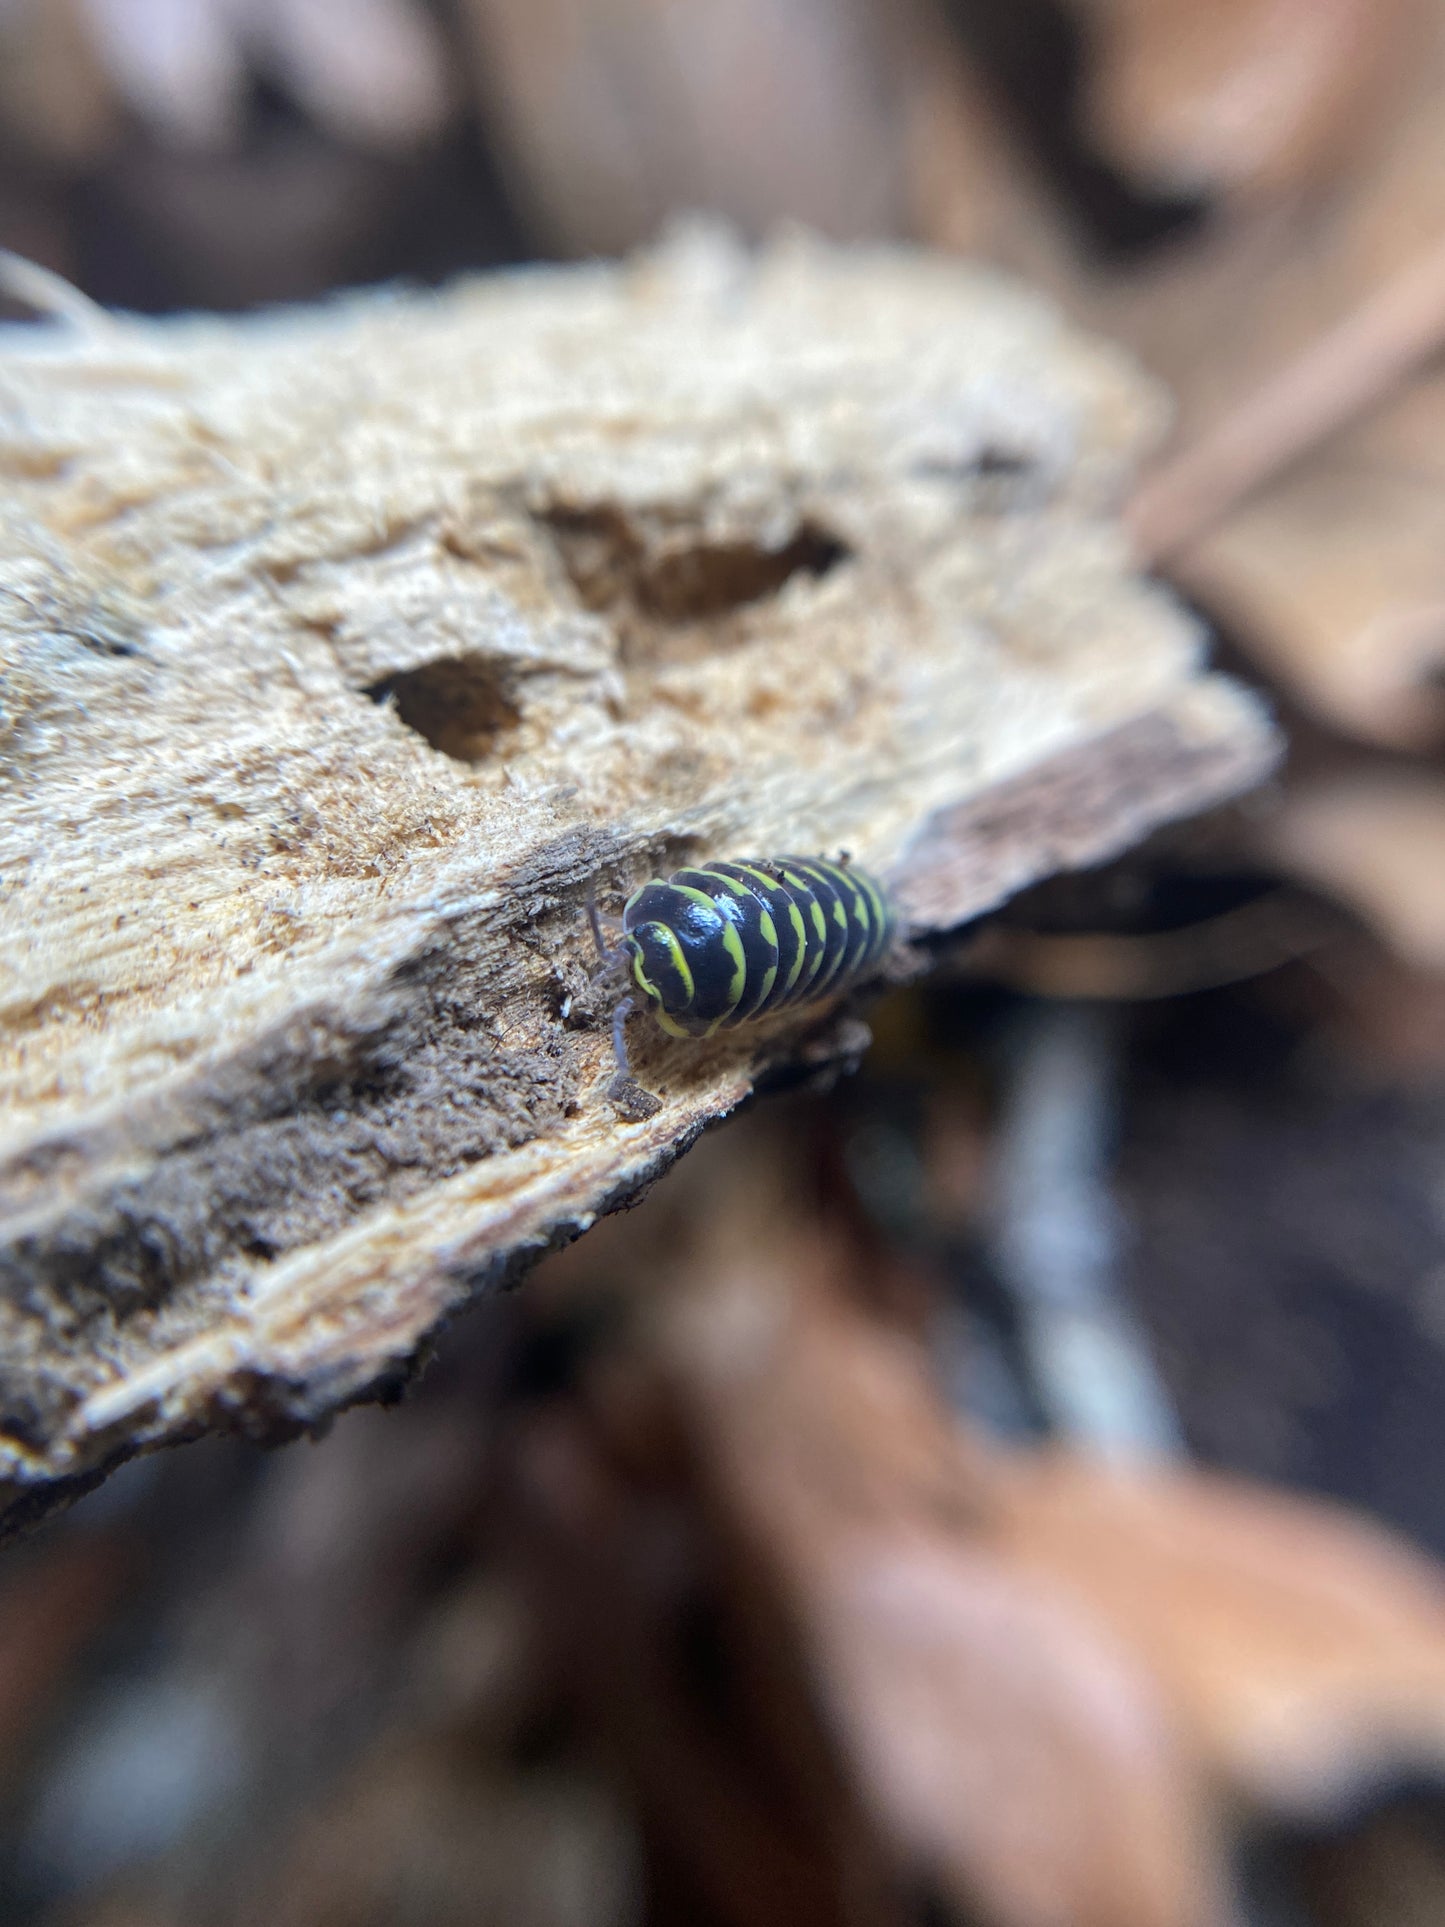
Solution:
(720, 945)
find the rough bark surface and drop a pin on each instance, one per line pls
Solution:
(343, 650)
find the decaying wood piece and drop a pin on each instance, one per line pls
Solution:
(345, 649)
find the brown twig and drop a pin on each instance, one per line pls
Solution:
(1112, 967)
(1348, 369)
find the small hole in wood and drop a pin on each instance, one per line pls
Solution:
(708, 579)
(460, 704)
(667, 580)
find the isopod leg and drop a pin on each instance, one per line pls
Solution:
(623, 1074)
(594, 917)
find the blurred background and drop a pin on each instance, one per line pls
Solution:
(1007, 1489)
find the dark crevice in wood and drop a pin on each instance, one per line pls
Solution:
(461, 704)
(653, 584)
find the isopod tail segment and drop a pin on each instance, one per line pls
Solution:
(712, 947)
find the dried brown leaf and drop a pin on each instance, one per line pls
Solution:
(1303, 1648)
(1223, 314)
(1335, 577)
(1007, 1741)
(1284, 328)
(1238, 96)
(1335, 573)
(1376, 840)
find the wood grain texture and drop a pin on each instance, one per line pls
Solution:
(344, 649)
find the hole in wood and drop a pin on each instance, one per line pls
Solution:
(460, 704)
(692, 584)
(669, 582)
(989, 463)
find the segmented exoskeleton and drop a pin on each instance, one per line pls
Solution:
(720, 945)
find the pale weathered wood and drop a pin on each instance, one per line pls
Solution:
(344, 649)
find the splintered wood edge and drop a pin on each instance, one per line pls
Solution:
(342, 1319)
(1212, 741)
